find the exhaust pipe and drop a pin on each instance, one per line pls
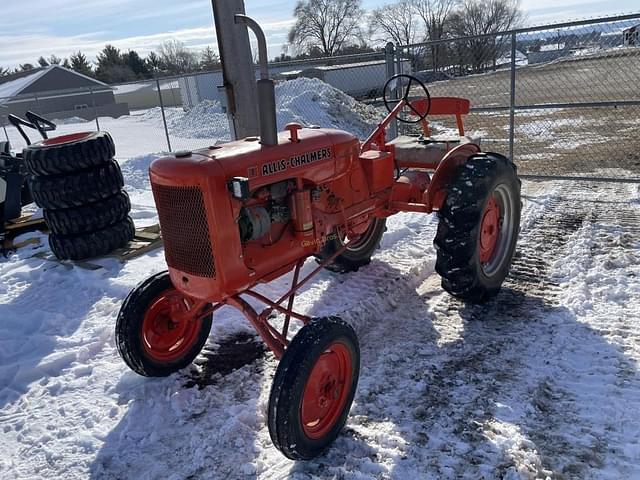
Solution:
(266, 89)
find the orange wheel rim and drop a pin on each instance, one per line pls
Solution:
(326, 391)
(489, 230)
(166, 337)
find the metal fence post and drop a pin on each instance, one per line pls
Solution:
(389, 54)
(512, 97)
(164, 118)
(95, 109)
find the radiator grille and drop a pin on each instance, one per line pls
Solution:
(185, 229)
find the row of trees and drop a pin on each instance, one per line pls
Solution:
(114, 66)
(327, 28)
(331, 27)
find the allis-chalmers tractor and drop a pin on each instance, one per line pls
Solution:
(244, 213)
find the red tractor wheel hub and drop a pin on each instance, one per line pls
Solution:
(325, 394)
(489, 230)
(168, 332)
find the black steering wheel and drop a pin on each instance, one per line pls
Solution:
(402, 83)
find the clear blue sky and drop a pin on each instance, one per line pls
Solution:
(30, 28)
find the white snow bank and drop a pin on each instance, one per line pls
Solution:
(308, 101)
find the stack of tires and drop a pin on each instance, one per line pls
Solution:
(78, 184)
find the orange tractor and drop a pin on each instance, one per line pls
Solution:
(244, 213)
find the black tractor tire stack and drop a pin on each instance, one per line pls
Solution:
(79, 186)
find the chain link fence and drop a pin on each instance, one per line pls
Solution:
(561, 100)
(187, 112)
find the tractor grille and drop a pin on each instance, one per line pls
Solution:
(185, 229)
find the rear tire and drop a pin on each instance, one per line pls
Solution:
(313, 388)
(93, 244)
(77, 189)
(89, 218)
(478, 227)
(69, 153)
(157, 347)
(359, 253)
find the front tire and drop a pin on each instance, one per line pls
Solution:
(313, 388)
(478, 227)
(150, 340)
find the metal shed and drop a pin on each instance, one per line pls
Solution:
(57, 92)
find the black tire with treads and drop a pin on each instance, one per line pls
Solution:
(93, 244)
(77, 189)
(129, 325)
(90, 217)
(458, 238)
(359, 254)
(69, 153)
(289, 385)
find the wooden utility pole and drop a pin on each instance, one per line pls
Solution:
(237, 68)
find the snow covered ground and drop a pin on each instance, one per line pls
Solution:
(541, 382)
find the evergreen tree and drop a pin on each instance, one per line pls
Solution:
(154, 63)
(80, 64)
(112, 67)
(43, 61)
(209, 59)
(136, 64)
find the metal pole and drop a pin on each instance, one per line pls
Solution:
(237, 68)
(164, 118)
(95, 109)
(512, 99)
(4, 127)
(389, 54)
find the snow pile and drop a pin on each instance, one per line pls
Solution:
(310, 101)
(205, 120)
(304, 100)
(69, 120)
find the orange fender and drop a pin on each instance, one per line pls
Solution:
(436, 194)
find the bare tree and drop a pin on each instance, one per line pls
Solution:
(325, 24)
(435, 15)
(176, 59)
(395, 22)
(485, 17)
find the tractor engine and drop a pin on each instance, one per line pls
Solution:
(242, 213)
(272, 207)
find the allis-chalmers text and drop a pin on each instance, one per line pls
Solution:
(296, 161)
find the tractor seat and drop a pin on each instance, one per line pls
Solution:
(418, 151)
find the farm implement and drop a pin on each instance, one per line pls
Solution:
(244, 213)
(15, 192)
